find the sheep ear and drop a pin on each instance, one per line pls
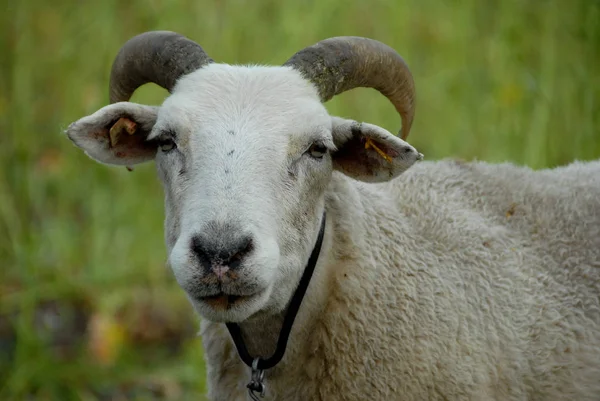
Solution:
(369, 153)
(116, 134)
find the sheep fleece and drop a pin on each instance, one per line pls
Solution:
(455, 281)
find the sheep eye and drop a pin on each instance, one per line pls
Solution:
(317, 150)
(167, 145)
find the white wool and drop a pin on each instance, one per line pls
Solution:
(454, 281)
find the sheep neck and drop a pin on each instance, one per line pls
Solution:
(258, 363)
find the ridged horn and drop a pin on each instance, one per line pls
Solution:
(160, 57)
(338, 64)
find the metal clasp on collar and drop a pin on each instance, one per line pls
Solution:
(256, 384)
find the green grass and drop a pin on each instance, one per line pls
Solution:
(497, 80)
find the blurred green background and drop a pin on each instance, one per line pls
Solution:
(88, 309)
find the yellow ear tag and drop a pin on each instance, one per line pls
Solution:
(369, 144)
(123, 124)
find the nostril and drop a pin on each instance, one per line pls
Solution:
(200, 251)
(408, 149)
(245, 247)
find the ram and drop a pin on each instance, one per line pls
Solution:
(327, 261)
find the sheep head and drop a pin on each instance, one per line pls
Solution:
(245, 154)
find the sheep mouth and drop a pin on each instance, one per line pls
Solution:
(224, 301)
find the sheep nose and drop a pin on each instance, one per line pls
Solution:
(221, 251)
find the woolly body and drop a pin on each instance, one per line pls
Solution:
(454, 281)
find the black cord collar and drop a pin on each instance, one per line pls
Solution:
(258, 364)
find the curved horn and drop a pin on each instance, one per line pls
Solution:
(160, 57)
(338, 64)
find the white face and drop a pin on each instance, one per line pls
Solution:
(243, 185)
(245, 155)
